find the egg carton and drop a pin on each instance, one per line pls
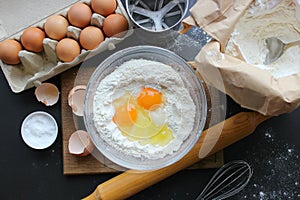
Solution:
(38, 67)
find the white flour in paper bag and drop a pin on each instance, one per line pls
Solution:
(265, 19)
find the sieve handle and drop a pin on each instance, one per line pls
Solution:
(131, 182)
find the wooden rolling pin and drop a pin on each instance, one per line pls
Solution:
(220, 136)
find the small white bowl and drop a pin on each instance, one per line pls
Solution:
(39, 130)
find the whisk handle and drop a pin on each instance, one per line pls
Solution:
(131, 182)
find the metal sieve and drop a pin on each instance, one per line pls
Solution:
(157, 15)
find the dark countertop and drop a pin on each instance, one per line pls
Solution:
(272, 150)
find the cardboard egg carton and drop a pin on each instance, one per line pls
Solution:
(38, 67)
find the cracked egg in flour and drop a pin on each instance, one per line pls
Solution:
(144, 108)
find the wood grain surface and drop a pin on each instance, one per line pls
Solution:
(73, 165)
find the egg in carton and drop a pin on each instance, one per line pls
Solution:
(36, 67)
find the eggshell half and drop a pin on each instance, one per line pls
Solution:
(80, 143)
(47, 93)
(76, 99)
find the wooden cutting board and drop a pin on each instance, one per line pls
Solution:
(73, 165)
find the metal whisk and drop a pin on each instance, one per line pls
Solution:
(227, 181)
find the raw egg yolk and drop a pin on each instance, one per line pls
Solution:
(133, 117)
(149, 98)
(125, 115)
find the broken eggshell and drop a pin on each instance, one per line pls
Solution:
(47, 93)
(76, 99)
(80, 143)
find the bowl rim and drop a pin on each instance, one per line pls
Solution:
(203, 108)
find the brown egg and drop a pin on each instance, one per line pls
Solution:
(32, 39)
(9, 50)
(104, 7)
(67, 49)
(115, 25)
(80, 15)
(90, 37)
(56, 27)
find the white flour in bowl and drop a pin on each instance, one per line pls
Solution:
(179, 108)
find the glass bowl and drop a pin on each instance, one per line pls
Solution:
(191, 82)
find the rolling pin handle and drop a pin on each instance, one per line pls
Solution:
(131, 182)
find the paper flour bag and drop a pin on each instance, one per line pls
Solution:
(234, 60)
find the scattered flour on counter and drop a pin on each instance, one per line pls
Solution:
(276, 176)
